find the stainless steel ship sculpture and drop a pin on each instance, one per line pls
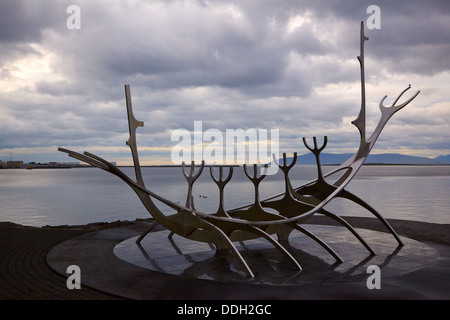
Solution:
(293, 207)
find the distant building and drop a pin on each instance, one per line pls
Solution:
(14, 164)
(41, 165)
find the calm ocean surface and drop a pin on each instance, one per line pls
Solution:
(83, 195)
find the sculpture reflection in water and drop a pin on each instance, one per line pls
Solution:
(258, 220)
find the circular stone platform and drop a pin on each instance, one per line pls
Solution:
(177, 268)
(186, 258)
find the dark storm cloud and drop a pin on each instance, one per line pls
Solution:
(191, 46)
(24, 21)
(232, 64)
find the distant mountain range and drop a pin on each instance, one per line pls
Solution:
(384, 158)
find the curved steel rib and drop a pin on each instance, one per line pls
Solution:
(295, 206)
(133, 124)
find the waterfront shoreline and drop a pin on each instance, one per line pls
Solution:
(435, 232)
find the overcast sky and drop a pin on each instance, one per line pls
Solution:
(287, 65)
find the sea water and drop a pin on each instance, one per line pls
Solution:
(75, 196)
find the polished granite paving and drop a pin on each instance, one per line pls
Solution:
(182, 257)
(167, 269)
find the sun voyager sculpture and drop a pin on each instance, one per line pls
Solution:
(292, 207)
